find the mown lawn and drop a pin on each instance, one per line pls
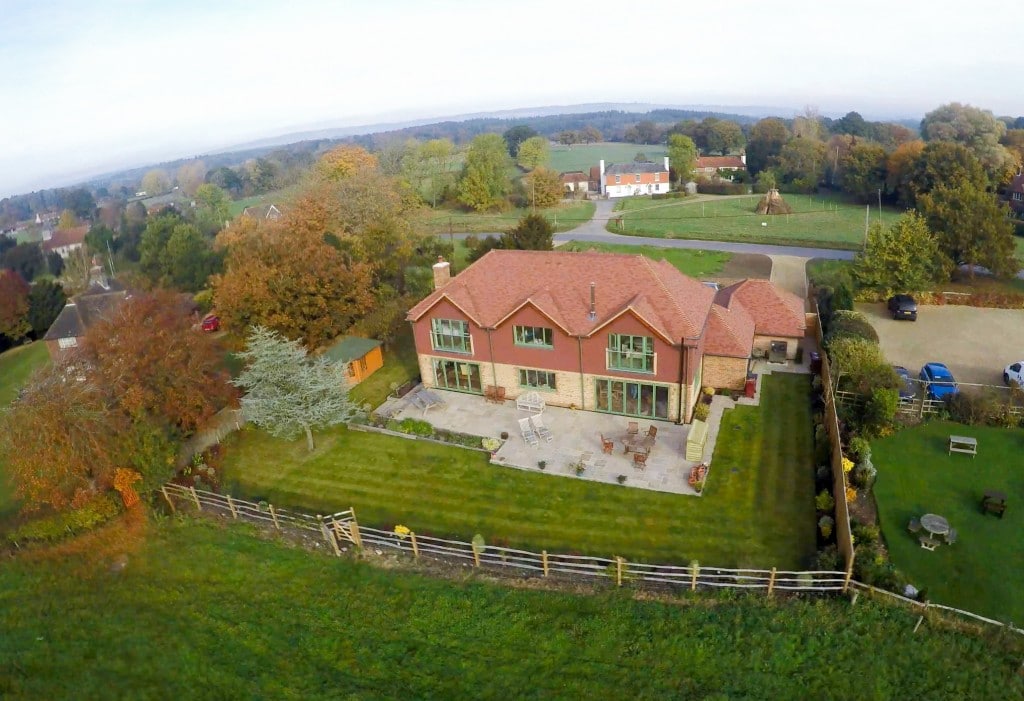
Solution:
(583, 156)
(824, 221)
(273, 197)
(694, 263)
(757, 509)
(563, 217)
(400, 366)
(16, 365)
(203, 610)
(984, 570)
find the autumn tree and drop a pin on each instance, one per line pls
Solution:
(295, 281)
(801, 164)
(533, 153)
(190, 176)
(156, 182)
(485, 182)
(156, 367)
(212, 208)
(14, 305)
(543, 187)
(682, 155)
(723, 136)
(903, 258)
(516, 135)
(974, 128)
(862, 171)
(67, 220)
(899, 170)
(569, 137)
(46, 299)
(286, 392)
(590, 135)
(343, 161)
(944, 163)
(767, 137)
(972, 226)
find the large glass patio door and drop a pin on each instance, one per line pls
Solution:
(457, 375)
(632, 398)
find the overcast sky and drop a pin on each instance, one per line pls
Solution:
(91, 86)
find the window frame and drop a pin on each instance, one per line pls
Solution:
(67, 342)
(524, 374)
(437, 333)
(623, 345)
(518, 334)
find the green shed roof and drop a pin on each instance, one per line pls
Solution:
(349, 348)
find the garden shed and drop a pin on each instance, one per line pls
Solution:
(362, 355)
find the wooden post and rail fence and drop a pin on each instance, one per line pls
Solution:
(342, 530)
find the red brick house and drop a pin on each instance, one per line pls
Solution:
(82, 311)
(710, 165)
(1015, 195)
(637, 178)
(66, 241)
(599, 331)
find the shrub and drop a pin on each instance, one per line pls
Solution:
(864, 474)
(621, 479)
(975, 409)
(701, 412)
(880, 409)
(824, 501)
(825, 525)
(850, 323)
(93, 513)
(828, 559)
(490, 444)
(708, 392)
(415, 427)
(866, 533)
(860, 448)
(541, 464)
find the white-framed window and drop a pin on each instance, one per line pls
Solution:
(618, 179)
(537, 379)
(533, 336)
(1018, 196)
(657, 177)
(638, 177)
(64, 343)
(450, 335)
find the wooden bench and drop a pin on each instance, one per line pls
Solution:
(993, 502)
(963, 444)
(929, 543)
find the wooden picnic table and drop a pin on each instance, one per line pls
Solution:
(635, 443)
(963, 444)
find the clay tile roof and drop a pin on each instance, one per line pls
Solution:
(66, 237)
(730, 329)
(574, 176)
(635, 167)
(720, 162)
(776, 312)
(558, 284)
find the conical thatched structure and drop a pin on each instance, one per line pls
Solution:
(772, 203)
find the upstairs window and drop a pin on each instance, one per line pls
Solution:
(450, 335)
(631, 353)
(70, 342)
(618, 179)
(638, 177)
(533, 336)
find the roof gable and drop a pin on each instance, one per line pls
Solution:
(776, 312)
(730, 331)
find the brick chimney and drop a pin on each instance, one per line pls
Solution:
(666, 163)
(442, 273)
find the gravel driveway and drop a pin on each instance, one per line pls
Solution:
(975, 343)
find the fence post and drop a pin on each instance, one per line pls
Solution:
(354, 530)
(231, 505)
(771, 583)
(618, 570)
(849, 574)
(544, 561)
(694, 569)
(273, 515)
(195, 498)
(415, 547)
(323, 529)
(920, 620)
(476, 555)
(334, 543)
(168, 498)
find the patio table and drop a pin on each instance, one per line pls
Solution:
(935, 524)
(637, 443)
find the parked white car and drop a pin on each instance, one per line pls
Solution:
(1014, 373)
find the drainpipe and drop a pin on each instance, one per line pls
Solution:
(583, 390)
(682, 381)
(490, 351)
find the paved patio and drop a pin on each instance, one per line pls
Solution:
(576, 435)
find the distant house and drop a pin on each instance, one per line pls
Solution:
(709, 165)
(65, 241)
(262, 212)
(82, 311)
(1015, 194)
(362, 356)
(575, 181)
(637, 178)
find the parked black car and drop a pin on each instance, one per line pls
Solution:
(908, 389)
(903, 307)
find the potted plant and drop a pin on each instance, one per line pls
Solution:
(621, 479)
(504, 435)
(541, 464)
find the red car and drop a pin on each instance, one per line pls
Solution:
(211, 322)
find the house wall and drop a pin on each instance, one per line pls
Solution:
(763, 343)
(628, 185)
(722, 372)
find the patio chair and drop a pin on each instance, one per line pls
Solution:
(652, 432)
(526, 429)
(539, 426)
(632, 428)
(639, 460)
(607, 445)
(914, 526)
(951, 536)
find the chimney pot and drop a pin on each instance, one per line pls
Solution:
(593, 302)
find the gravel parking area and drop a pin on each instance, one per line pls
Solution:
(975, 343)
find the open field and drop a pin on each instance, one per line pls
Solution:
(757, 508)
(583, 156)
(693, 262)
(982, 572)
(203, 610)
(16, 365)
(274, 197)
(824, 221)
(563, 217)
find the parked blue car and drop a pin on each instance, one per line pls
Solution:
(939, 381)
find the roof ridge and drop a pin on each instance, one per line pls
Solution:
(664, 287)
